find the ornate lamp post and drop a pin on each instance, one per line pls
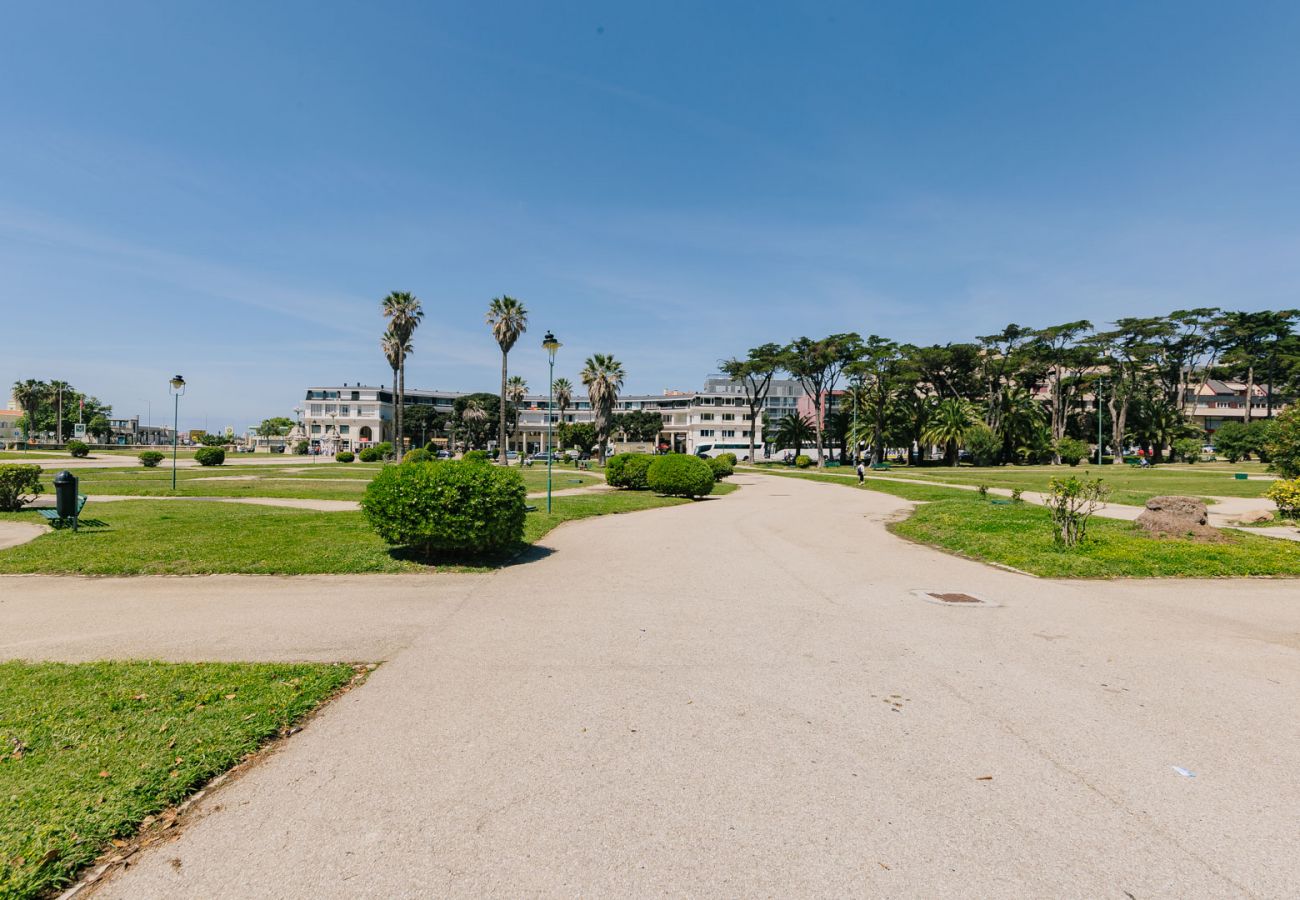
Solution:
(177, 388)
(551, 345)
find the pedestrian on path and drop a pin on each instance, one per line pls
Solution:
(862, 471)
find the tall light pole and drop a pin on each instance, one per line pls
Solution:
(551, 345)
(177, 388)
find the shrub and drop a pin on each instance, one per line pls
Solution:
(729, 457)
(16, 482)
(1071, 450)
(1187, 449)
(802, 461)
(721, 468)
(451, 507)
(1283, 443)
(983, 491)
(680, 475)
(385, 449)
(1286, 494)
(369, 454)
(984, 444)
(1232, 441)
(1072, 501)
(477, 456)
(344, 456)
(1016, 495)
(210, 456)
(301, 448)
(419, 454)
(614, 469)
(151, 458)
(636, 471)
(79, 449)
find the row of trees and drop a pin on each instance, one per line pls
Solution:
(1019, 393)
(54, 407)
(507, 318)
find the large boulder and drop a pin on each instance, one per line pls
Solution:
(1255, 517)
(1177, 517)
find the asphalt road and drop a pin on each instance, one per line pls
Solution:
(740, 697)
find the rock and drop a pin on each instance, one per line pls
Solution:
(1177, 517)
(1255, 517)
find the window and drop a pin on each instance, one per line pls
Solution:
(344, 429)
(706, 432)
(356, 395)
(315, 409)
(728, 417)
(315, 429)
(706, 417)
(343, 410)
(330, 409)
(728, 433)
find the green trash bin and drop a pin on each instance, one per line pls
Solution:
(1240, 476)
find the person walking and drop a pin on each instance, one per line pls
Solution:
(862, 471)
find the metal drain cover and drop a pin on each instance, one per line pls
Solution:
(952, 598)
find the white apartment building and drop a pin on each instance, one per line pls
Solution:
(716, 419)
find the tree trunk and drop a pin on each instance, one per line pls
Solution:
(753, 418)
(817, 421)
(1118, 419)
(394, 404)
(501, 437)
(1250, 390)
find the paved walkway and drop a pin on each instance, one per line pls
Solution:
(738, 697)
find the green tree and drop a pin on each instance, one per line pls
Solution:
(1283, 446)
(516, 391)
(878, 377)
(29, 395)
(404, 314)
(639, 425)
(562, 395)
(817, 365)
(579, 435)
(603, 377)
(395, 350)
(508, 319)
(276, 426)
(793, 431)
(99, 427)
(950, 421)
(754, 373)
(475, 417)
(1065, 357)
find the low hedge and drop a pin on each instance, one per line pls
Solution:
(729, 457)
(453, 507)
(628, 470)
(369, 454)
(680, 475)
(721, 468)
(210, 456)
(803, 462)
(477, 456)
(1286, 494)
(419, 454)
(17, 482)
(79, 449)
(151, 458)
(344, 456)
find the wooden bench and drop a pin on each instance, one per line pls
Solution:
(52, 515)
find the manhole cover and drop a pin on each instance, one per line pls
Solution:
(953, 598)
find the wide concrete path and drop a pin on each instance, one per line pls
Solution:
(740, 697)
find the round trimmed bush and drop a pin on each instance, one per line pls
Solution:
(79, 449)
(1071, 450)
(210, 456)
(369, 454)
(614, 469)
(721, 468)
(344, 456)
(477, 456)
(729, 457)
(628, 470)
(301, 448)
(454, 507)
(385, 449)
(419, 454)
(802, 461)
(680, 475)
(151, 458)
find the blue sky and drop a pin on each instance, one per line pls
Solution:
(226, 190)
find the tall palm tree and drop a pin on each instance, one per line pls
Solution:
(473, 412)
(792, 432)
(516, 391)
(949, 424)
(404, 312)
(603, 377)
(508, 320)
(395, 351)
(562, 393)
(28, 395)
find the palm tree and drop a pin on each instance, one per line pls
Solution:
(516, 391)
(603, 377)
(473, 412)
(949, 423)
(28, 395)
(404, 313)
(562, 394)
(792, 432)
(395, 351)
(508, 319)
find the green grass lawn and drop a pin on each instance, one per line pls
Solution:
(198, 538)
(309, 481)
(88, 751)
(1020, 535)
(1130, 485)
(903, 489)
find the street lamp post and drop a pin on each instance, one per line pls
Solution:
(551, 345)
(177, 388)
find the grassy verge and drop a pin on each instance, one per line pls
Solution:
(88, 751)
(903, 489)
(321, 481)
(198, 538)
(1020, 535)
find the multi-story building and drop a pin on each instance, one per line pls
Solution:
(129, 432)
(1214, 402)
(354, 416)
(9, 426)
